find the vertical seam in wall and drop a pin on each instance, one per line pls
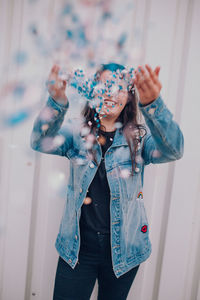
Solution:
(32, 230)
(163, 231)
(173, 50)
(133, 23)
(9, 13)
(196, 271)
(170, 177)
(179, 107)
(184, 59)
(145, 29)
(35, 202)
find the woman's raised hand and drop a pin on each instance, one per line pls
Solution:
(147, 84)
(56, 86)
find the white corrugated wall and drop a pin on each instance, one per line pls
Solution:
(165, 33)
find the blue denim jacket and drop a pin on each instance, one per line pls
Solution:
(164, 142)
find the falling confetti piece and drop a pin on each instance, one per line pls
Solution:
(87, 200)
(101, 140)
(44, 127)
(16, 118)
(125, 173)
(19, 90)
(20, 57)
(57, 180)
(156, 153)
(118, 125)
(58, 141)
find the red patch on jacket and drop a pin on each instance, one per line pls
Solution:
(144, 228)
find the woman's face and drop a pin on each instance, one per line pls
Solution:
(114, 99)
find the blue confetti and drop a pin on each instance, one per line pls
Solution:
(20, 57)
(19, 91)
(16, 118)
(67, 9)
(69, 34)
(122, 39)
(33, 29)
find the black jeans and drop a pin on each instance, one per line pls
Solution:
(95, 262)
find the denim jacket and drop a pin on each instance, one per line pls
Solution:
(164, 142)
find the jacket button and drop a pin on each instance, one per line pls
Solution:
(76, 237)
(70, 260)
(92, 165)
(137, 170)
(81, 190)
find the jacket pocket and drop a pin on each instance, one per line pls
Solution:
(129, 182)
(137, 229)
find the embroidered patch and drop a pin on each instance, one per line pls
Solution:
(140, 196)
(144, 228)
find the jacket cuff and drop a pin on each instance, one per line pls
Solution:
(58, 106)
(154, 108)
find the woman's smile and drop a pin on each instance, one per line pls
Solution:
(110, 107)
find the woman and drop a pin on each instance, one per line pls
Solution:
(104, 231)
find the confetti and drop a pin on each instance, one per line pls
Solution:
(57, 180)
(79, 161)
(44, 127)
(101, 140)
(20, 57)
(125, 173)
(16, 118)
(118, 125)
(58, 141)
(156, 153)
(85, 131)
(87, 200)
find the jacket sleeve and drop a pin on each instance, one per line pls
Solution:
(47, 134)
(164, 141)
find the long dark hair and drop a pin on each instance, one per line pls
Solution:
(129, 118)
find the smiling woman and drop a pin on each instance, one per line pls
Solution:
(104, 231)
(113, 103)
(118, 107)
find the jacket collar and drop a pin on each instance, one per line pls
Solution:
(119, 139)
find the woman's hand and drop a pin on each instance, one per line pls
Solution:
(56, 86)
(147, 84)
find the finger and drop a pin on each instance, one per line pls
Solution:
(139, 81)
(148, 82)
(141, 93)
(151, 73)
(157, 70)
(54, 72)
(140, 87)
(54, 82)
(142, 71)
(64, 83)
(60, 85)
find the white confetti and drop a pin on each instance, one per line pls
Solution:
(58, 140)
(156, 153)
(85, 131)
(125, 173)
(118, 125)
(56, 179)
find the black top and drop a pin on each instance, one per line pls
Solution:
(95, 216)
